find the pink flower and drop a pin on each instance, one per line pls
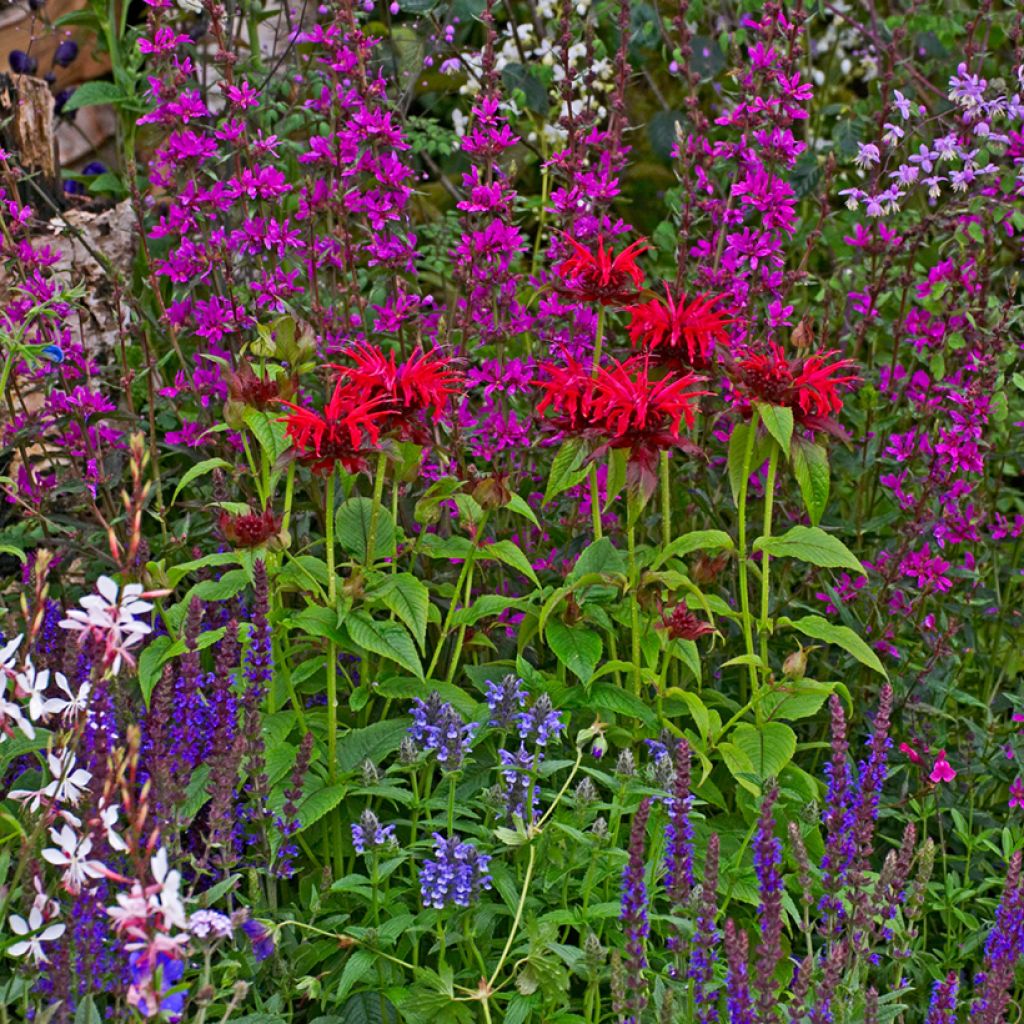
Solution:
(943, 770)
(1017, 794)
(915, 757)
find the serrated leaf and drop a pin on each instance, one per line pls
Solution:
(91, 94)
(577, 647)
(150, 664)
(268, 432)
(609, 697)
(388, 639)
(737, 452)
(842, 636)
(352, 529)
(618, 459)
(319, 803)
(518, 504)
(358, 965)
(812, 545)
(317, 621)
(810, 467)
(196, 471)
(409, 599)
(778, 421)
(511, 554)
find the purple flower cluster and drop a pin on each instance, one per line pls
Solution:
(437, 726)
(369, 834)
(455, 875)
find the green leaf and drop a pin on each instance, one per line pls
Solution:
(778, 421)
(518, 505)
(93, 93)
(616, 479)
(317, 621)
(697, 708)
(576, 647)
(813, 545)
(374, 742)
(842, 636)
(609, 697)
(486, 606)
(601, 557)
(388, 639)
(810, 467)
(10, 549)
(319, 803)
(696, 540)
(363, 1007)
(352, 529)
(796, 700)
(567, 469)
(409, 599)
(511, 554)
(268, 431)
(196, 471)
(768, 748)
(737, 450)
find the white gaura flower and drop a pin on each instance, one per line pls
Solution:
(109, 616)
(34, 934)
(72, 854)
(76, 703)
(11, 716)
(171, 906)
(35, 685)
(8, 651)
(108, 820)
(66, 785)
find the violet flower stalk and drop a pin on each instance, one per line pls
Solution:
(706, 939)
(767, 865)
(634, 915)
(741, 1009)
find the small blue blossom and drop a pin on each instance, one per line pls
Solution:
(541, 723)
(370, 834)
(505, 699)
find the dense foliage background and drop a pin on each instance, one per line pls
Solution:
(514, 513)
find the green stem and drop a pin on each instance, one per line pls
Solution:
(748, 633)
(634, 607)
(666, 501)
(769, 500)
(519, 915)
(332, 669)
(595, 503)
(378, 492)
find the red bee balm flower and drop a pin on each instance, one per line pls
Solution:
(348, 426)
(404, 391)
(249, 530)
(809, 385)
(602, 276)
(620, 406)
(675, 330)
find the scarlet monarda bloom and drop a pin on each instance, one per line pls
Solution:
(678, 331)
(249, 530)
(621, 406)
(403, 392)
(602, 276)
(809, 385)
(348, 426)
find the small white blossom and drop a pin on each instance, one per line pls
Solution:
(170, 900)
(35, 684)
(72, 854)
(108, 819)
(34, 934)
(76, 702)
(7, 653)
(11, 716)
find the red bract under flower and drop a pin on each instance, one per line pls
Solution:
(348, 426)
(677, 330)
(259, 392)
(602, 276)
(404, 391)
(808, 385)
(251, 529)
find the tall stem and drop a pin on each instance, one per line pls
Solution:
(595, 502)
(634, 608)
(378, 493)
(748, 633)
(769, 500)
(332, 668)
(666, 500)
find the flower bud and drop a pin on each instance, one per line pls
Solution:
(795, 666)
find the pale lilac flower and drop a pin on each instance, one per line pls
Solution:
(902, 105)
(210, 924)
(34, 935)
(868, 155)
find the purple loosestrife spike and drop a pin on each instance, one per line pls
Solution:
(288, 822)
(259, 656)
(1004, 948)
(741, 1009)
(871, 1006)
(767, 865)
(706, 938)
(634, 914)
(942, 1008)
